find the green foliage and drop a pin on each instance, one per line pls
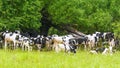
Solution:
(55, 31)
(20, 14)
(87, 16)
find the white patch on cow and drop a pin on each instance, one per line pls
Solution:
(105, 51)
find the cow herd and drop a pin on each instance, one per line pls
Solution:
(98, 42)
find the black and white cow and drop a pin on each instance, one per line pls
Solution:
(102, 50)
(62, 43)
(27, 44)
(11, 37)
(93, 39)
(39, 41)
(78, 40)
(108, 38)
(66, 47)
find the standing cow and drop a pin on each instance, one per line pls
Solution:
(11, 37)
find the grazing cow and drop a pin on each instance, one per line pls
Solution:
(102, 50)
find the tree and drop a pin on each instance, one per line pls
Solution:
(87, 16)
(20, 14)
(60, 16)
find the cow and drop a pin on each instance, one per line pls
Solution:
(102, 50)
(56, 41)
(49, 43)
(11, 37)
(78, 40)
(62, 43)
(27, 44)
(1, 40)
(66, 48)
(39, 42)
(93, 39)
(108, 37)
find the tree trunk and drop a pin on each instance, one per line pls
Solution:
(72, 30)
(69, 29)
(44, 29)
(45, 22)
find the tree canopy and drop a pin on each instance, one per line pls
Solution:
(52, 16)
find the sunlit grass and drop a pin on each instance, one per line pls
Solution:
(34, 59)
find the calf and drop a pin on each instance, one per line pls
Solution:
(26, 44)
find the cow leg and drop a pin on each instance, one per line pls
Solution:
(23, 47)
(5, 45)
(85, 47)
(39, 47)
(49, 47)
(28, 48)
(112, 44)
(14, 43)
(53, 47)
(110, 47)
(57, 49)
(90, 46)
(16, 47)
(1, 46)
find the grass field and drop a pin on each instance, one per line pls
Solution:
(34, 59)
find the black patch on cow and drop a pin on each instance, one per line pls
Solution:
(78, 40)
(95, 39)
(109, 36)
(100, 50)
(17, 37)
(38, 41)
(11, 34)
(73, 48)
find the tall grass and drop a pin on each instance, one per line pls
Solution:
(34, 59)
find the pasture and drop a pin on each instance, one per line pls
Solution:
(35, 59)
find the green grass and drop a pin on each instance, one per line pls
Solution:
(34, 59)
